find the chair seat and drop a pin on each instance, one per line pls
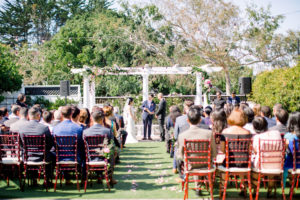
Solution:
(200, 171)
(233, 169)
(297, 171)
(10, 161)
(67, 163)
(96, 163)
(36, 163)
(268, 171)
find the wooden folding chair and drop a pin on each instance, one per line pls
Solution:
(66, 156)
(10, 155)
(95, 159)
(197, 163)
(295, 172)
(271, 155)
(35, 146)
(237, 152)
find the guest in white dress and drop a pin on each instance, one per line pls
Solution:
(129, 118)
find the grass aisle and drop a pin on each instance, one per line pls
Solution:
(145, 172)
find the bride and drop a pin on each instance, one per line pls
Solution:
(129, 118)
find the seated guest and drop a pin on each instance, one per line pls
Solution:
(83, 116)
(14, 116)
(170, 124)
(2, 129)
(21, 100)
(75, 115)
(193, 133)
(260, 126)
(257, 110)
(69, 128)
(47, 118)
(4, 114)
(266, 113)
(236, 121)
(207, 112)
(57, 118)
(250, 116)
(293, 128)
(281, 117)
(15, 127)
(111, 124)
(275, 107)
(33, 127)
(219, 123)
(120, 122)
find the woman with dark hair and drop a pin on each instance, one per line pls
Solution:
(219, 123)
(21, 100)
(293, 134)
(75, 115)
(250, 116)
(170, 124)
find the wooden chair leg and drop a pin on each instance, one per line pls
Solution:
(297, 184)
(225, 185)
(107, 180)
(211, 185)
(56, 176)
(186, 190)
(249, 185)
(258, 185)
(282, 188)
(45, 178)
(76, 174)
(292, 187)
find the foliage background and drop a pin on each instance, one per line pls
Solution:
(278, 86)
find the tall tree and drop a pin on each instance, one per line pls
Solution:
(216, 33)
(15, 23)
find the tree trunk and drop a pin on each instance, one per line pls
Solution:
(228, 83)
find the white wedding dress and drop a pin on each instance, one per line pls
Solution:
(130, 125)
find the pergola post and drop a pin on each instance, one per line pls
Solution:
(198, 99)
(145, 86)
(86, 88)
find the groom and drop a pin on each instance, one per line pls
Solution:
(148, 108)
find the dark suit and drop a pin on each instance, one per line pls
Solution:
(97, 129)
(161, 115)
(147, 118)
(33, 127)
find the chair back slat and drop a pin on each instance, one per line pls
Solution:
(271, 154)
(197, 154)
(238, 153)
(94, 146)
(10, 146)
(66, 148)
(34, 146)
(296, 155)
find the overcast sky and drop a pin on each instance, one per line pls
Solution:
(289, 8)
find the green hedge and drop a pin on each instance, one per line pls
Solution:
(278, 86)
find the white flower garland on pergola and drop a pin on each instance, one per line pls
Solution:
(145, 72)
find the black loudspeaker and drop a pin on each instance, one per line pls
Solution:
(245, 85)
(64, 88)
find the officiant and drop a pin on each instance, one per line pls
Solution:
(148, 108)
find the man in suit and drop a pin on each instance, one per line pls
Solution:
(14, 116)
(148, 108)
(69, 128)
(15, 127)
(181, 123)
(281, 117)
(193, 133)
(98, 128)
(33, 127)
(234, 100)
(161, 115)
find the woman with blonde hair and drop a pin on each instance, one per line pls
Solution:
(83, 116)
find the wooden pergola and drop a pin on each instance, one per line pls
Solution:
(145, 72)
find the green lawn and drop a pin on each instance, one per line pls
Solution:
(145, 172)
